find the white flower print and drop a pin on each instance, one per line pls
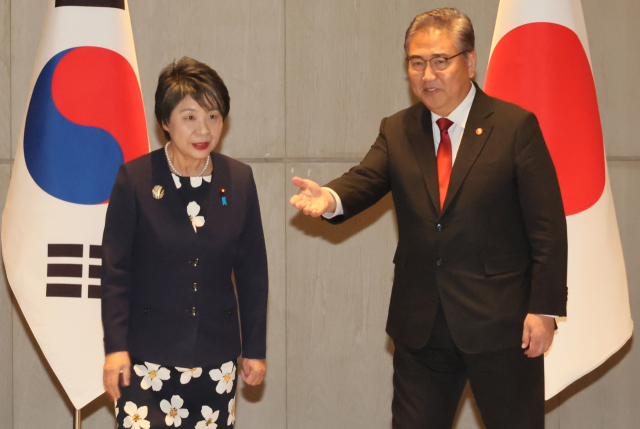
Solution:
(224, 376)
(174, 410)
(136, 417)
(152, 375)
(232, 412)
(192, 210)
(207, 178)
(115, 405)
(210, 418)
(176, 180)
(187, 373)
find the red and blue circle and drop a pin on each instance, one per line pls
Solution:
(85, 118)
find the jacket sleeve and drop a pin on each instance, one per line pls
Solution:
(251, 276)
(117, 257)
(365, 184)
(544, 219)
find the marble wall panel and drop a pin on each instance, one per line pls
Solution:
(346, 71)
(6, 350)
(6, 323)
(5, 79)
(338, 287)
(27, 19)
(613, 36)
(242, 41)
(98, 414)
(38, 399)
(265, 406)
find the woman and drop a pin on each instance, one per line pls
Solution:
(180, 220)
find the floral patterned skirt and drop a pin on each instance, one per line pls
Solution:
(161, 396)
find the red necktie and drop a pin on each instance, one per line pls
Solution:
(444, 158)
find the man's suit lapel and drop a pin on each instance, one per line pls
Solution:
(471, 145)
(421, 138)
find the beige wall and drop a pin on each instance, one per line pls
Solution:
(309, 83)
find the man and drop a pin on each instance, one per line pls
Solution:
(480, 268)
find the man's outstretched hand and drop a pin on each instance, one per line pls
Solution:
(312, 199)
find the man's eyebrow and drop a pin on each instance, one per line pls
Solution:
(433, 56)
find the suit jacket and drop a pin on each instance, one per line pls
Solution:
(168, 296)
(498, 248)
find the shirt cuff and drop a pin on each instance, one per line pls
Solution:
(339, 211)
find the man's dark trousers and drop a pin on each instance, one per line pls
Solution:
(428, 383)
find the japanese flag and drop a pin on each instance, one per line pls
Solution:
(540, 61)
(84, 118)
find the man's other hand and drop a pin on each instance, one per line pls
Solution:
(537, 334)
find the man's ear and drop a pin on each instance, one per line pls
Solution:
(472, 59)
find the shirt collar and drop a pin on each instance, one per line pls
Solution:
(461, 113)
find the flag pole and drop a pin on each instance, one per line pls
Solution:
(77, 424)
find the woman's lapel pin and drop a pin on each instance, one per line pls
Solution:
(224, 199)
(158, 192)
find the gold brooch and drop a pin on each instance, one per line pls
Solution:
(479, 131)
(157, 192)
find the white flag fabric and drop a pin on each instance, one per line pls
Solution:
(540, 61)
(84, 118)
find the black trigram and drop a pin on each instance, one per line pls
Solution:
(117, 4)
(70, 270)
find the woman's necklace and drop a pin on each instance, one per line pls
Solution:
(166, 152)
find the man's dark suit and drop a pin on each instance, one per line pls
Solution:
(495, 252)
(168, 296)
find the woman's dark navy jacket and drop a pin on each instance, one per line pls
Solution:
(167, 293)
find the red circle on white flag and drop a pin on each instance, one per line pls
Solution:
(543, 68)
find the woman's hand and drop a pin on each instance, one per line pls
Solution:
(116, 364)
(253, 371)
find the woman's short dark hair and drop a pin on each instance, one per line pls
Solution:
(189, 77)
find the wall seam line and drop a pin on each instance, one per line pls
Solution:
(286, 282)
(11, 155)
(338, 160)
